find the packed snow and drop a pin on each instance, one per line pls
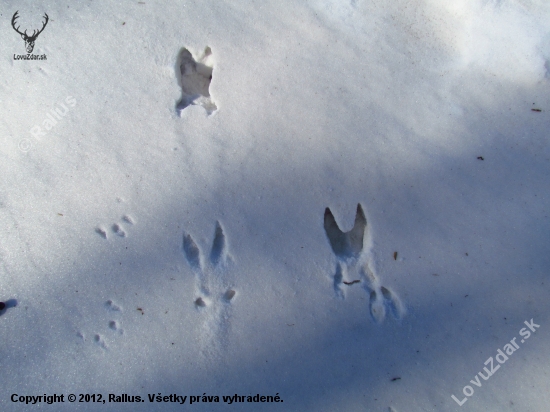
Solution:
(328, 205)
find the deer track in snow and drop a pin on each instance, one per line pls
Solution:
(194, 78)
(213, 291)
(349, 249)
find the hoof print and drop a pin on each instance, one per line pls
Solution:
(348, 248)
(194, 77)
(213, 291)
(346, 245)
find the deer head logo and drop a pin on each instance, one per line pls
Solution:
(29, 40)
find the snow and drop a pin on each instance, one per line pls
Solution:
(153, 248)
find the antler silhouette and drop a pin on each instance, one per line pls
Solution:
(35, 35)
(15, 17)
(29, 40)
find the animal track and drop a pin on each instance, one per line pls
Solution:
(128, 219)
(112, 306)
(116, 228)
(98, 339)
(113, 325)
(102, 232)
(380, 298)
(213, 293)
(348, 247)
(215, 264)
(194, 78)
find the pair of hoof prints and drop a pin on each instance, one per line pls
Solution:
(351, 254)
(212, 286)
(348, 247)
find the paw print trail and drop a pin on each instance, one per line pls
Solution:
(116, 228)
(349, 249)
(213, 294)
(114, 326)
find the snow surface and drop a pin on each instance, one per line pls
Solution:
(109, 218)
